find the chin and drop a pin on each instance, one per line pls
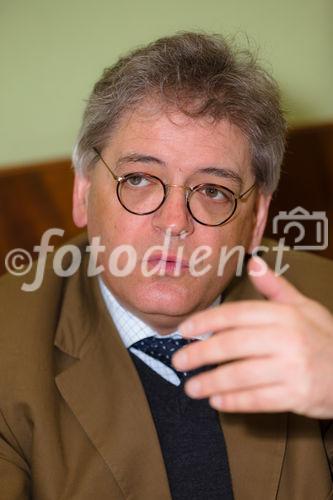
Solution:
(164, 299)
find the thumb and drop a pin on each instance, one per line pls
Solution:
(270, 285)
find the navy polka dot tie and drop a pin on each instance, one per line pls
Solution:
(162, 349)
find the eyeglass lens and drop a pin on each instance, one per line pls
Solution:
(209, 203)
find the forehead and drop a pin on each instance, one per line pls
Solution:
(180, 141)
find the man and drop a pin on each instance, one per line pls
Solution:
(181, 145)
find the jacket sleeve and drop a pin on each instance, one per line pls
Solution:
(14, 471)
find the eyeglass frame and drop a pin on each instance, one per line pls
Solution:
(189, 190)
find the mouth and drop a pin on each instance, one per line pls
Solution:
(169, 263)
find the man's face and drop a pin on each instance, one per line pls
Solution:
(176, 149)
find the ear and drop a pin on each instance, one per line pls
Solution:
(81, 189)
(261, 208)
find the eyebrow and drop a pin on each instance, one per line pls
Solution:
(221, 172)
(224, 173)
(138, 158)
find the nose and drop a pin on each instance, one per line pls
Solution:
(173, 215)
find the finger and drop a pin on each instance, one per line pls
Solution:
(232, 315)
(236, 376)
(270, 285)
(228, 346)
(262, 399)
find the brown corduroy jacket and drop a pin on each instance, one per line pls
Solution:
(74, 420)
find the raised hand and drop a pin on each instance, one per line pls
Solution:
(273, 355)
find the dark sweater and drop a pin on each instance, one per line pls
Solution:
(191, 440)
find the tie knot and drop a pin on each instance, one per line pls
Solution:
(161, 349)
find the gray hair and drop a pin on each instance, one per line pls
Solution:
(204, 76)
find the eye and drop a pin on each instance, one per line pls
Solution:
(214, 193)
(138, 180)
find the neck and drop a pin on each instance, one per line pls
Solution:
(162, 324)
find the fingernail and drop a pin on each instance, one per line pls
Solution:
(216, 401)
(193, 387)
(179, 360)
(259, 266)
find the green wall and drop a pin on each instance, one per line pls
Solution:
(52, 52)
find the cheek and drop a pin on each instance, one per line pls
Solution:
(115, 227)
(101, 213)
(229, 243)
(235, 234)
(243, 226)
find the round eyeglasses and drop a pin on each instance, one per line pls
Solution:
(209, 204)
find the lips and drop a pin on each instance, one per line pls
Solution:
(170, 261)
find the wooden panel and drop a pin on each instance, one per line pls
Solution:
(307, 181)
(33, 199)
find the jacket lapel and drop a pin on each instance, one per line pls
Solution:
(105, 394)
(256, 443)
(256, 446)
